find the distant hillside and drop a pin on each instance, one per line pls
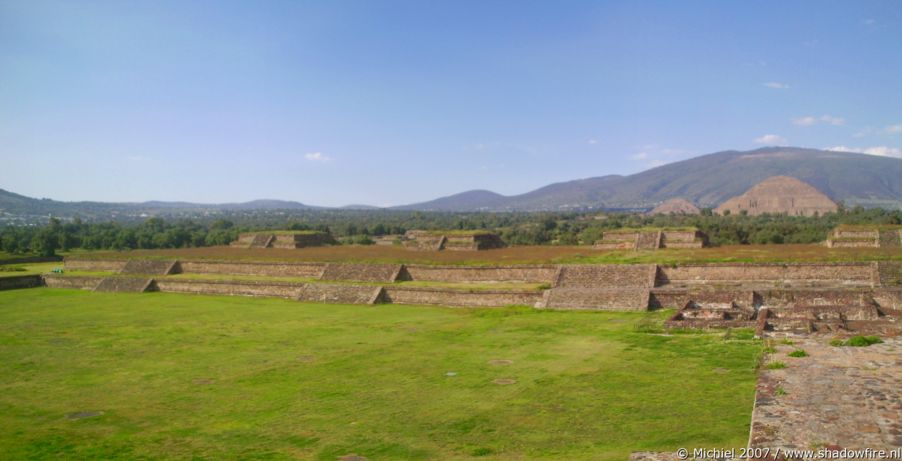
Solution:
(708, 181)
(20, 205)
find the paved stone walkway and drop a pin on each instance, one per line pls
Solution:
(837, 397)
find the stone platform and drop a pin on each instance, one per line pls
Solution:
(837, 397)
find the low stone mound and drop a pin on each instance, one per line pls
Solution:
(675, 206)
(865, 237)
(610, 299)
(452, 240)
(363, 272)
(69, 281)
(150, 267)
(651, 239)
(606, 276)
(426, 243)
(340, 294)
(282, 239)
(126, 285)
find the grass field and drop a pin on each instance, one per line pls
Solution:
(12, 270)
(122, 376)
(547, 254)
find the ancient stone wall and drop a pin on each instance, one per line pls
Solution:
(273, 289)
(890, 239)
(362, 272)
(461, 298)
(889, 273)
(458, 243)
(665, 298)
(526, 274)
(77, 282)
(863, 234)
(606, 276)
(889, 298)
(615, 236)
(126, 285)
(20, 281)
(341, 294)
(852, 243)
(614, 246)
(680, 236)
(839, 273)
(150, 267)
(300, 270)
(613, 299)
(815, 297)
(93, 265)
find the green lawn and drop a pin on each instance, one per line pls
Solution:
(12, 270)
(205, 377)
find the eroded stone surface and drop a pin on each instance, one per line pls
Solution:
(837, 397)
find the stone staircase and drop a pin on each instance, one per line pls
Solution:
(648, 240)
(601, 287)
(262, 241)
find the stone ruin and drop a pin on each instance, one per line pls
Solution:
(780, 195)
(865, 237)
(452, 240)
(772, 298)
(282, 239)
(676, 206)
(648, 239)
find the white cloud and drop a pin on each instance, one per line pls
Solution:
(317, 157)
(657, 162)
(777, 85)
(810, 120)
(831, 120)
(771, 139)
(894, 129)
(593, 141)
(869, 22)
(640, 156)
(882, 151)
(804, 121)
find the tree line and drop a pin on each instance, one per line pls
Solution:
(356, 227)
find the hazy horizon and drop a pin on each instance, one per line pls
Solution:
(391, 103)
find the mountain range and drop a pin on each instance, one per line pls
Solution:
(707, 181)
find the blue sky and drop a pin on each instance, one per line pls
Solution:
(393, 102)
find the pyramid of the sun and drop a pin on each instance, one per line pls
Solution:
(780, 194)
